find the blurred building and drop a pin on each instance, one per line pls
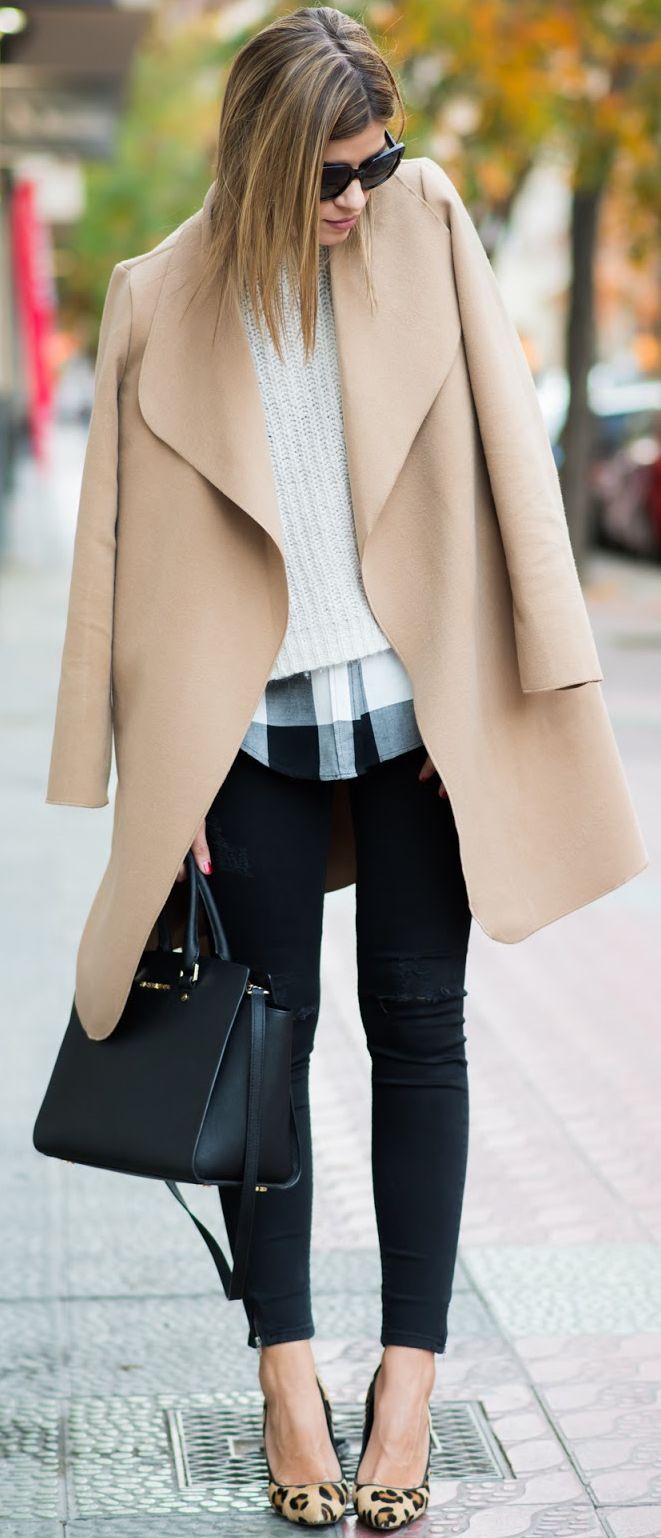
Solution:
(63, 74)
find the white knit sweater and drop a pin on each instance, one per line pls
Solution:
(330, 619)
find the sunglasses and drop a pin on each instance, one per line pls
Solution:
(338, 174)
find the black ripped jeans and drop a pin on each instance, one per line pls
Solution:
(268, 835)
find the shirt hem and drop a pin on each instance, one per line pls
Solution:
(353, 775)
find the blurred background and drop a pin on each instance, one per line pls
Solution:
(128, 1400)
(547, 119)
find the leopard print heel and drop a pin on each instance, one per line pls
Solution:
(315, 1505)
(386, 1507)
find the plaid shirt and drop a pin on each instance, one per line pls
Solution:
(334, 722)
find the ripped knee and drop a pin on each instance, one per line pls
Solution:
(413, 1016)
(226, 854)
(401, 980)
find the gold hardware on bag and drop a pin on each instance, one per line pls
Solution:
(154, 985)
(194, 974)
(261, 1188)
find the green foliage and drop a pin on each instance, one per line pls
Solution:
(490, 86)
(163, 161)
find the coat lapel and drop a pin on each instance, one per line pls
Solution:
(393, 361)
(198, 391)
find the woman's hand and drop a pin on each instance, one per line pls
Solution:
(200, 852)
(425, 773)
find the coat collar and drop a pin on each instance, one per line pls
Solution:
(199, 393)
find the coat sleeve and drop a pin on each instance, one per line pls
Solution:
(81, 748)
(554, 640)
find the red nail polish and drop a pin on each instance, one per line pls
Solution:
(207, 867)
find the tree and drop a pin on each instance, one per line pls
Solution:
(163, 161)
(494, 87)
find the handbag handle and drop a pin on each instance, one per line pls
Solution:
(198, 887)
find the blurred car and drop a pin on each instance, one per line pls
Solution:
(74, 391)
(625, 471)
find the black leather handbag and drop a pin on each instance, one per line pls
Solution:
(193, 1083)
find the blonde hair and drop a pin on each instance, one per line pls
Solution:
(307, 77)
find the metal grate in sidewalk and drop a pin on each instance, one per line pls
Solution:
(222, 1445)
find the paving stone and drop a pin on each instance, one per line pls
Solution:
(578, 1405)
(129, 1346)
(567, 1520)
(632, 1522)
(618, 1368)
(197, 1524)
(571, 1288)
(30, 1350)
(29, 1461)
(16, 1528)
(640, 1421)
(633, 1484)
(609, 1452)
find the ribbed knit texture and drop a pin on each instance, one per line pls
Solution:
(330, 619)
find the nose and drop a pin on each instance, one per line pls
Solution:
(352, 200)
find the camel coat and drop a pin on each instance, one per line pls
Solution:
(178, 599)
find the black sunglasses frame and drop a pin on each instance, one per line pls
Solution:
(365, 170)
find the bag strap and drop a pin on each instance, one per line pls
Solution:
(233, 1279)
(212, 1244)
(253, 1128)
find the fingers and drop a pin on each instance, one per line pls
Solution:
(426, 772)
(200, 849)
(200, 853)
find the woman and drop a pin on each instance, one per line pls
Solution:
(321, 552)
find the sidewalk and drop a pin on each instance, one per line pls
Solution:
(129, 1405)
